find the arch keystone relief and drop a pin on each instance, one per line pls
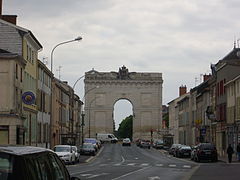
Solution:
(143, 90)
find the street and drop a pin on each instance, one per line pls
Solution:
(117, 162)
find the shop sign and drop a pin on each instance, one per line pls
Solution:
(28, 98)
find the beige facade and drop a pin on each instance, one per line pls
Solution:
(43, 105)
(66, 114)
(11, 113)
(21, 41)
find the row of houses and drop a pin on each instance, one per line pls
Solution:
(26, 88)
(210, 112)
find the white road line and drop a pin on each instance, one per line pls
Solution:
(172, 165)
(117, 164)
(186, 166)
(96, 175)
(131, 164)
(123, 160)
(130, 173)
(136, 158)
(144, 164)
(154, 178)
(84, 175)
(159, 165)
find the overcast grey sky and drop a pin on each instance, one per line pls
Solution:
(179, 38)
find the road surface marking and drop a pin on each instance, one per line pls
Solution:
(123, 160)
(131, 164)
(96, 175)
(117, 164)
(136, 158)
(159, 165)
(154, 178)
(131, 173)
(86, 175)
(144, 164)
(186, 166)
(172, 165)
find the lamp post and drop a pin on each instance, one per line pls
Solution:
(51, 94)
(77, 81)
(82, 124)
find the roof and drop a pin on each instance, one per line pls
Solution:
(22, 31)
(234, 54)
(22, 150)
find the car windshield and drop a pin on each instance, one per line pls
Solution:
(159, 142)
(93, 141)
(87, 146)
(62, 149)
(6, 166)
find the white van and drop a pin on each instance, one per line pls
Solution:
(106, 138)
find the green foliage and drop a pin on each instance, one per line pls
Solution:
(125, 128)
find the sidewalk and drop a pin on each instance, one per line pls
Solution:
(225, 159)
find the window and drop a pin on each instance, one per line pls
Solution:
(58, 172)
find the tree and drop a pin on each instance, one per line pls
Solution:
(125, 128)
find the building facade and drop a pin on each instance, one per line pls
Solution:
(43, 105)
(11, 112)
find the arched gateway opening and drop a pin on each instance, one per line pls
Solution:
(143, 90)
(122, 116)
(122, 108)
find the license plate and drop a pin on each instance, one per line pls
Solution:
(207, 152)
(186, 153)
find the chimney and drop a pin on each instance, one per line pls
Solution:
(0, 9)
(206, 77)
(182, 90)
(9, 18)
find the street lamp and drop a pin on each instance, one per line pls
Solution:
(79, 38)
(77, 81)
(51, 97)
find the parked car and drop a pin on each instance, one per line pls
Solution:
(145, 144)
(77, 153)
(193, 152)
(183, 151)
(26, 162)
(205, 151)
(176, 149)
(66, 153)
(126, 142)
(138, 141)
(88, 149)
(99, 144)
(172, 148)
(93, 141)
(158, 144)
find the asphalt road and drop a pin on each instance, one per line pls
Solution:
(217, 171)
(115, 162)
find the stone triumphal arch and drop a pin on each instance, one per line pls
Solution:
(143, 90)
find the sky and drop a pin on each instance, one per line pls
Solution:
(178, 38)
